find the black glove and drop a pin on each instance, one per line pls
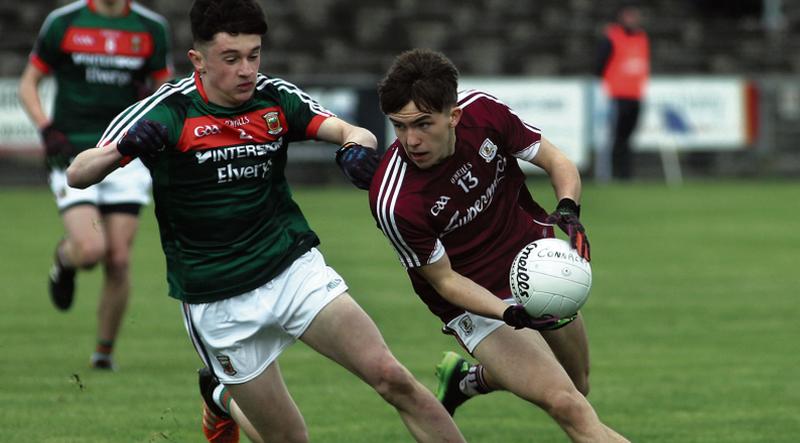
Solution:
(358, 163)
(516, 316)
(56, 142)
(145, 137)
(567, 217)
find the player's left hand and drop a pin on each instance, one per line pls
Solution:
(516, 316)
(567, 217)
(358, 163)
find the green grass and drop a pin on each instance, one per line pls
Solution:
(693, 324)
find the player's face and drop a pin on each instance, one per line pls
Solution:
(428, 138)
(228, 66)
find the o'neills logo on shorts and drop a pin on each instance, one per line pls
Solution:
(466, 325)
(334, 283)
(227, 366)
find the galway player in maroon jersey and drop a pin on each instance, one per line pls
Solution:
(451, 198)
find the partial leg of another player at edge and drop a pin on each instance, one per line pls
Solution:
(547, 368)
(97, 235)
(364, 353)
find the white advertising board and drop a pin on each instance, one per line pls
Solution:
(703, 113)
(559, 107)
(688, 114)
(16, 130)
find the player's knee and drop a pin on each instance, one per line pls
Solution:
(87, 253)
(117, 264)
(392, 379)
(565, 405)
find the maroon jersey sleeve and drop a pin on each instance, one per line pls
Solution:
(519, 138)
(400, 213)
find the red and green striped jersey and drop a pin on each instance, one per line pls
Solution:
(226, 215)
(100, 64)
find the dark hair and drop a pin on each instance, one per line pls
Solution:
(425, 76)
(208, 17)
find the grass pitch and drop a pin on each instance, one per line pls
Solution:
(693, 324)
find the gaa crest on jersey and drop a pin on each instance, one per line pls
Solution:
(488, 150)
(226, 364)
(273, 120)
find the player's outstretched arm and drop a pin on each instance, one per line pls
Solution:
(337, 131)
(92, 166)
(465, 293)
(566, 182)
(144, 138)
(564, 175)
(357, 157)
(462, 291)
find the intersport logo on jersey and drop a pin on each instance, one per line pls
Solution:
(232, 153)
(237, 147)
(234, 158)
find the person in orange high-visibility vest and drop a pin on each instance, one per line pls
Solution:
(624, 64)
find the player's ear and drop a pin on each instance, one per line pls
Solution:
(198, 60)
(455, 116)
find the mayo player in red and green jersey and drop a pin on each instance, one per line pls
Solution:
(452, 201)
(104, 55)
(240, 254)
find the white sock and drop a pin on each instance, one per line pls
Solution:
(473, 383)
(217, 397)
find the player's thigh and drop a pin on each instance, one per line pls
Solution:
(571, 346)
(267, 404)
(84, 227)
(520, 361)
(120, 228)
(343, 332)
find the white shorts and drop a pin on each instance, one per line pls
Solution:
(130, 184)
(470, 329)
(239, 337)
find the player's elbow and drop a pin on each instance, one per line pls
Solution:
(75, 179)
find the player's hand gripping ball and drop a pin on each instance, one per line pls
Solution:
(549, 278)
(567, 217)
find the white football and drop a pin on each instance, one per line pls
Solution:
(549, 277)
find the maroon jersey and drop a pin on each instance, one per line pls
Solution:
(474, 206)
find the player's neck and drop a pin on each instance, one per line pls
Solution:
(110, 8)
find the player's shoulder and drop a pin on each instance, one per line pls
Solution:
(277, 88)
(147, 15)
(475, 98)
(288, 95)
(64, 14)
(272, 84)
(169, 102)
(480, 108)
